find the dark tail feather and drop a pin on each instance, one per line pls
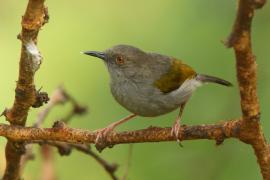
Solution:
(205, 79)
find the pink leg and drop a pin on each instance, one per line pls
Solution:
(102, 133)
(177, 124)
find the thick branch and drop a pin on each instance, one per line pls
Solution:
(240, 40)
(25, 93)
(217, 132)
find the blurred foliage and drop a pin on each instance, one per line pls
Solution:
(189, 30)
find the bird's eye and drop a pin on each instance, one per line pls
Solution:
(119, 60)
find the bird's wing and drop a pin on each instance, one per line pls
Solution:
(177, 74)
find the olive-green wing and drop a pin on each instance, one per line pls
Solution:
(174, 78)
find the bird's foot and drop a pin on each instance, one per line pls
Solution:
(101, 139)
(176, 128)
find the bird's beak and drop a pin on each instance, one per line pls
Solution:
(100, 55)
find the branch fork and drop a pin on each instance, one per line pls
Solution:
(247, 128)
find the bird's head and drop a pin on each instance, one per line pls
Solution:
(121, 60)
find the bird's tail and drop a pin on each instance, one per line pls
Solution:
(206, 78)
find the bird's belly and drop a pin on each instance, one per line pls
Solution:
(146, 101)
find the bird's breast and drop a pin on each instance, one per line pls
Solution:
(144, 99)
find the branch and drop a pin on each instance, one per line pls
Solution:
(60, 96)
(240, 40)
(25, 94)
(110, 168)
(48, 171)
(57, 97)
(125, 176)
(65, 149)
(247, 129)
(62, 133)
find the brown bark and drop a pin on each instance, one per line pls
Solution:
(240, 40)
(25, 94)
(246, 129)
(62, 133)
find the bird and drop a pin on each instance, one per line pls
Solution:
(149, 84)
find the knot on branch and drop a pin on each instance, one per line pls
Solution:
(80, 110)
(41, 98)
(64, 150)
(59, 125)
(220, 140)
(46, 15)
(257, 4)
(104, 143)
(18, 147)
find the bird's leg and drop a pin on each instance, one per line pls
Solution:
(102, 133)
(177, 124)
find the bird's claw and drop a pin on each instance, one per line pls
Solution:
(176, 128)
(101, 138)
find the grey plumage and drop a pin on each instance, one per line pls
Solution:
(149, 84)
(132, 82)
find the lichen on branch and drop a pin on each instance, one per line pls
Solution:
(34, 56)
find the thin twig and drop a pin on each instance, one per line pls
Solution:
(57, 97)
(65, 149)
(130, 148)
(47, 172)
(110, 168)
(60, 96)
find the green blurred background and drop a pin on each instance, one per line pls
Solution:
(190, 30)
